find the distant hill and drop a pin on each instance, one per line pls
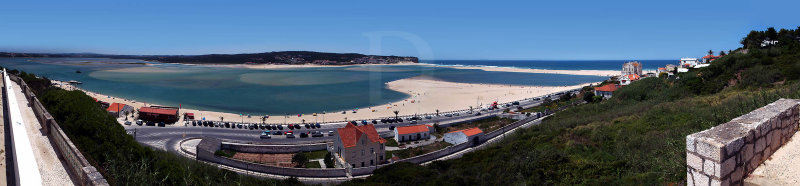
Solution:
(284, 57)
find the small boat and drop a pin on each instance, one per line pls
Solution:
(74, 82)
(77, 71)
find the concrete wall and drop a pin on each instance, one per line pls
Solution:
(726, 154)
(274, 149)
(207, 147)
(77, 166)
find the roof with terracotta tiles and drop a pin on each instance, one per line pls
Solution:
(469, 131)
(351, 134)
(115, 107)
(154, 110)
(413, 129)
(607, 88)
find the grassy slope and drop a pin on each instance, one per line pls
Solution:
(637, 137)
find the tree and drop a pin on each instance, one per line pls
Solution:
(721, 53)
(395, 113)
(328, 160)
(588, 97)
(663, 75)
(300, 158)
(437, 112)
(710, 52)
(771, 33)
(221, 119)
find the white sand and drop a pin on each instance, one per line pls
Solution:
(426, 96)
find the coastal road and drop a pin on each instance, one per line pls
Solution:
(165, 138)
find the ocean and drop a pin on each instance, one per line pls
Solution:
(647, 65)
(283, 91)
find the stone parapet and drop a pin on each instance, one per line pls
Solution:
(726, 154)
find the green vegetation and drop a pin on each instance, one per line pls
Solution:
(329, 161)
(486, 125)
(416, 151)
(313, 164)
(225, 153)
(300, 159)
(320, 154)
(637, 137)
(120, 159)
(390, 142)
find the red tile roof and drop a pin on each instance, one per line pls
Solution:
(115, 107)
(164, 111)
(413, 129)
(351, 134)
(469, 131)
(633, 77)
(607, 88)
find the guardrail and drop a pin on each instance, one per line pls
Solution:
(77, 166)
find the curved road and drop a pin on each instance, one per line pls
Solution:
(165, 138)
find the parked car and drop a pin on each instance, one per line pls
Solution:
(374, 122)
(161, 124)
(289, 135)
(297, 126)
(319, 126)
(280, 127)
(194, 123)
(413, 121)
(291, 127)
(428, 117)
(276, 133)
(477, 114)
(399, 120)
(363, 122)
(317, 134)
(150, 123)
(456, 114)
(330, 133)
(127, 122)
(265, 135)
(515, 103)
(303, 135)
(391, 127)
(307, 127)
(290, 132)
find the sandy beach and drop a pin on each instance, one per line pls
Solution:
(425, 96)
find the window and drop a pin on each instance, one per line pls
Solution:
(354, 165)
(362, 164)
(381, 157)
(371, 150)
(362, 152)
(364, 141)
(370, 162)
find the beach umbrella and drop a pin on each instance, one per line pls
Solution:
(298, 115)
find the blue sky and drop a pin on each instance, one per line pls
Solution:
(439, 30)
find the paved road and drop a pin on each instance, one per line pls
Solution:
(169, 136)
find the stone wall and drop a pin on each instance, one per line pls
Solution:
(76, 164)
(274, 149)
(726, 154)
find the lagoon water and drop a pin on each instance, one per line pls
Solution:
(262, 91)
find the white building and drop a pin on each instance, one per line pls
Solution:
(412, 133)
(463, 136)
(632, 68)
(689, 62)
